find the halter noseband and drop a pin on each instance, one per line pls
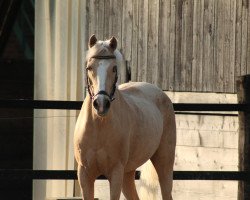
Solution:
(111, 95)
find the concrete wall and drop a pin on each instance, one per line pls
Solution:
(204, 142)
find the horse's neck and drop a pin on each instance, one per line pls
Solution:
(118, 103)
(87, 109)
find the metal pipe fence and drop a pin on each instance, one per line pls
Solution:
(24, 174)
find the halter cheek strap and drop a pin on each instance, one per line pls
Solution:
(102, 92)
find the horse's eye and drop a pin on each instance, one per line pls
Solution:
(89, 68)
(115, 69)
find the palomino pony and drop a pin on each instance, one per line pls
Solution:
(120, 129)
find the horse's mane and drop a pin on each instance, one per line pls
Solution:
(102, 48)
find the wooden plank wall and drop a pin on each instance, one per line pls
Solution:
(180, 45)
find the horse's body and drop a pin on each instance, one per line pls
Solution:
(140, 125)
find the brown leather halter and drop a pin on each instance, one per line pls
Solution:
(111, 95)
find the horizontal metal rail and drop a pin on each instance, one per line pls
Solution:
(17, 174)
(40, 104)
(76, 105)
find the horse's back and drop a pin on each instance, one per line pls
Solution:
(136, 88)
(146, 92)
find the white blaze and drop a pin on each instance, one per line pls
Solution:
(102, 74)
(101, 82)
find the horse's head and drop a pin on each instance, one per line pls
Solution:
(101, 72)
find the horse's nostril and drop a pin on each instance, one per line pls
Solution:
(101, 105)
(107, 104)
(95, 103)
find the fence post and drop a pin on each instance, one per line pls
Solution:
(243, 93)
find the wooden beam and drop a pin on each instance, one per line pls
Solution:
(243, 87)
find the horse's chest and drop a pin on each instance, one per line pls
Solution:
(102, 153)
(101, 148)
(96, 157)
(101, 160)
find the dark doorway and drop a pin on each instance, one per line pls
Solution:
(16, 82)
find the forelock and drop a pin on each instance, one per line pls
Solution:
(98, 49)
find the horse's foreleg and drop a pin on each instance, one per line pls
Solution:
(86, 184)
(128, 188)
(116, 180)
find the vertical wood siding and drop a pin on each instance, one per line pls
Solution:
(179, 45)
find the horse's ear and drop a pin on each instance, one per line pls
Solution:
(113, 43)
(92, 41)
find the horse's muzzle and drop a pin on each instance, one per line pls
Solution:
(102, 104)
